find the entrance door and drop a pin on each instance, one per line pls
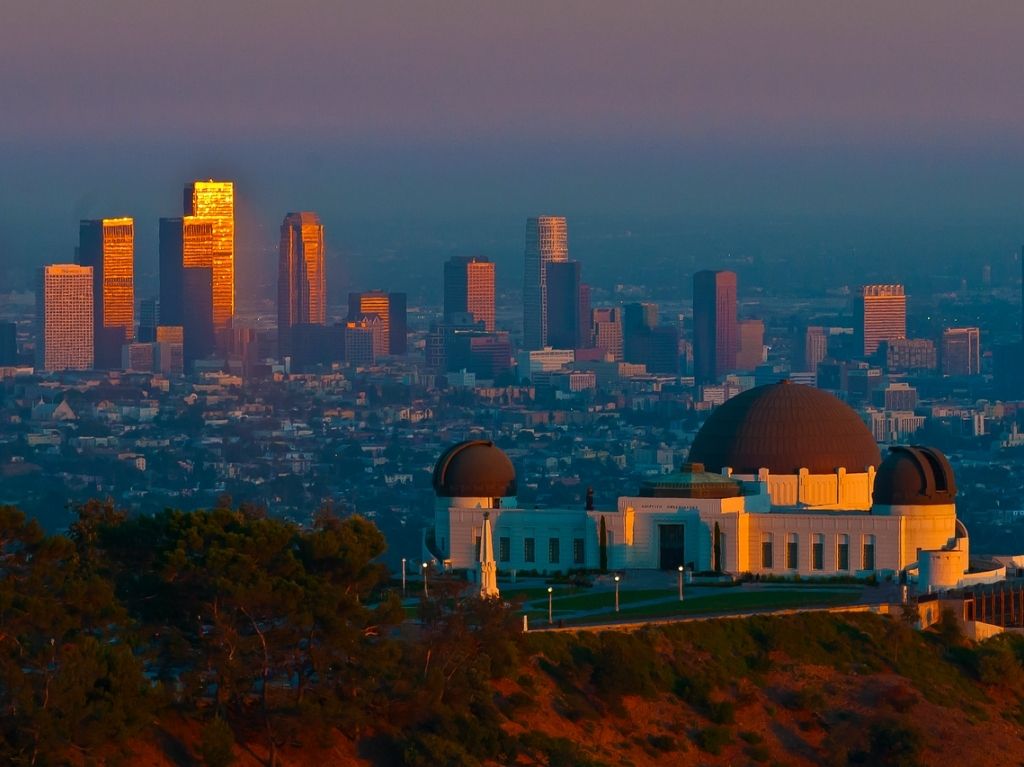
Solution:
(671, 546)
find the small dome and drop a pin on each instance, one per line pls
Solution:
(914, 476)
(785, 427)
(691, 481)
(474, 469)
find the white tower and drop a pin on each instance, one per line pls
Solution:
(488, 568)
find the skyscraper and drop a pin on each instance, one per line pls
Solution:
(301, 286)
(961, 351)
(390, 309)
(815, 347)
(546, 242)
(715, 330)
(880, 315)
(469, 289)
(607, 325)
(564, 291)
(149, 319)
(215, 200)
(8, 344)
(186, 281)
(64, 317)
(108, 246)
(638, 320)
(751, 348)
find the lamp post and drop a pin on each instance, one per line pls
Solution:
(616, 593)
(426, 591)
(680, 583)
(403, 576)
(550, 592)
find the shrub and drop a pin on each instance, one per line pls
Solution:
(722, 712)
(217, 743)
(713, 739)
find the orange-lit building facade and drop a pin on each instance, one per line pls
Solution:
(390, 308)
(881, 315)
(301, 284)
(469, 289)
(187, 252)
(108, 246)
(64, 317)
(215, 200)
(547, 241)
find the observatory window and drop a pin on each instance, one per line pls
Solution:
(529, 550)
(843, 552)
(869, 552)
(792, 551)
(578, 553)
(504, 549)
(553, 551)
(767, 552)
(818, 552)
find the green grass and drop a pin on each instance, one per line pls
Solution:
(598, 599)
(734, 602)
(532, 593)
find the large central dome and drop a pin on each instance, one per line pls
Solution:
(785, 427)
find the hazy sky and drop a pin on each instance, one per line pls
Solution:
(419, 129)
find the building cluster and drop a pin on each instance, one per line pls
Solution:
(171, 400)
(86, 311)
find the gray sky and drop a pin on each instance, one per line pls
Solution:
(441, 125)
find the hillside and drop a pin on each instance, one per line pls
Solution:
(808, 689)
(222, 637)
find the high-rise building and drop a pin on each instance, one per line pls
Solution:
(301, 286)
(149, 319)
(715, 330)
(607, 325)
(362, 339)
(469, 289)
(902, 355)
(751, 350)
(564, 291)
(961, 351)
(170, 350)
(108, 246)
(215, 200)
(815, 347)
(187, 249)
(546, 242)
(64, 317)
(880, 315)
(390, 308)
(8, 344)
(638, 320)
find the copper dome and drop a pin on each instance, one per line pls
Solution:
(785, 427)
(474, 469)
(914, 476)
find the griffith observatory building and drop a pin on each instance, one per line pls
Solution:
(782, 480)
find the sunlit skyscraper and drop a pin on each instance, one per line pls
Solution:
(546, 242)
(469, 289)
(716, 338)
(108, 246)
(881, 315)
(390, 309)
(187, 247)
(215, 200)
(64, 317)
(301, 287)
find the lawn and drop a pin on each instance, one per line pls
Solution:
(739, 601)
